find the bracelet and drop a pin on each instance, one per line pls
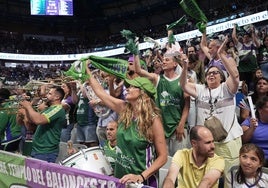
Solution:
(142, 177)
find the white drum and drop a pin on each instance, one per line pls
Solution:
(90, 159)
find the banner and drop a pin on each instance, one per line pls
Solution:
(17, 171)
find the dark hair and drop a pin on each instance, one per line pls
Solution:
(190, 47)
(240, 176)
(255, 93)
(193, 58)
(254, 78)
(59, 90)
(261, 102)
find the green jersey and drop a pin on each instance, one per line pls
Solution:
(47, 137)
(170, 100)
(82, 111)
(134, 152)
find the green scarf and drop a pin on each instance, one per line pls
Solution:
(114, 66)
(117, 67)
(132, 44)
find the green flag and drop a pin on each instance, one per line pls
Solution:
(77, 70)
(193, 10)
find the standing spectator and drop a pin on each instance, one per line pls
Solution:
(193, 60)
(139, 131)
(211, 54)
(104, 116)
(263, 56)
(10, 131)
(249, 173)
(247, 54)
(216, 98)
(198, 166)
(49, 124)
(69, 104)
(86, 121)
(171, 99)
(232, 51)
(199, 67)
(110, 143)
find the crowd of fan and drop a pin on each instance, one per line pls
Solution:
(23, 73)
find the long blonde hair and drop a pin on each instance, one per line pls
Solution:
(146, 112)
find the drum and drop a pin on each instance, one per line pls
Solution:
(90, 159)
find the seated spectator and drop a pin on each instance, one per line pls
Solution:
(260, 90)
(249, 173)
(255, 129)
(198, 166)
(110, 143)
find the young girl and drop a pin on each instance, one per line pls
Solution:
(249, 173)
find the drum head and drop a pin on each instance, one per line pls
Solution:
(90, 159)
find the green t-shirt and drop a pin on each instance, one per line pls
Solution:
(170, 100)
(110, 153)
(82, 111)
(47, 137)
(134, 152)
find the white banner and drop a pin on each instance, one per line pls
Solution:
(254, 18)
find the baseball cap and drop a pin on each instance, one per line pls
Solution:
(143, 83)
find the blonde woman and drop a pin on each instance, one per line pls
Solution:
(141, 149)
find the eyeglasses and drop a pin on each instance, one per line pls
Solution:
(213, 73)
